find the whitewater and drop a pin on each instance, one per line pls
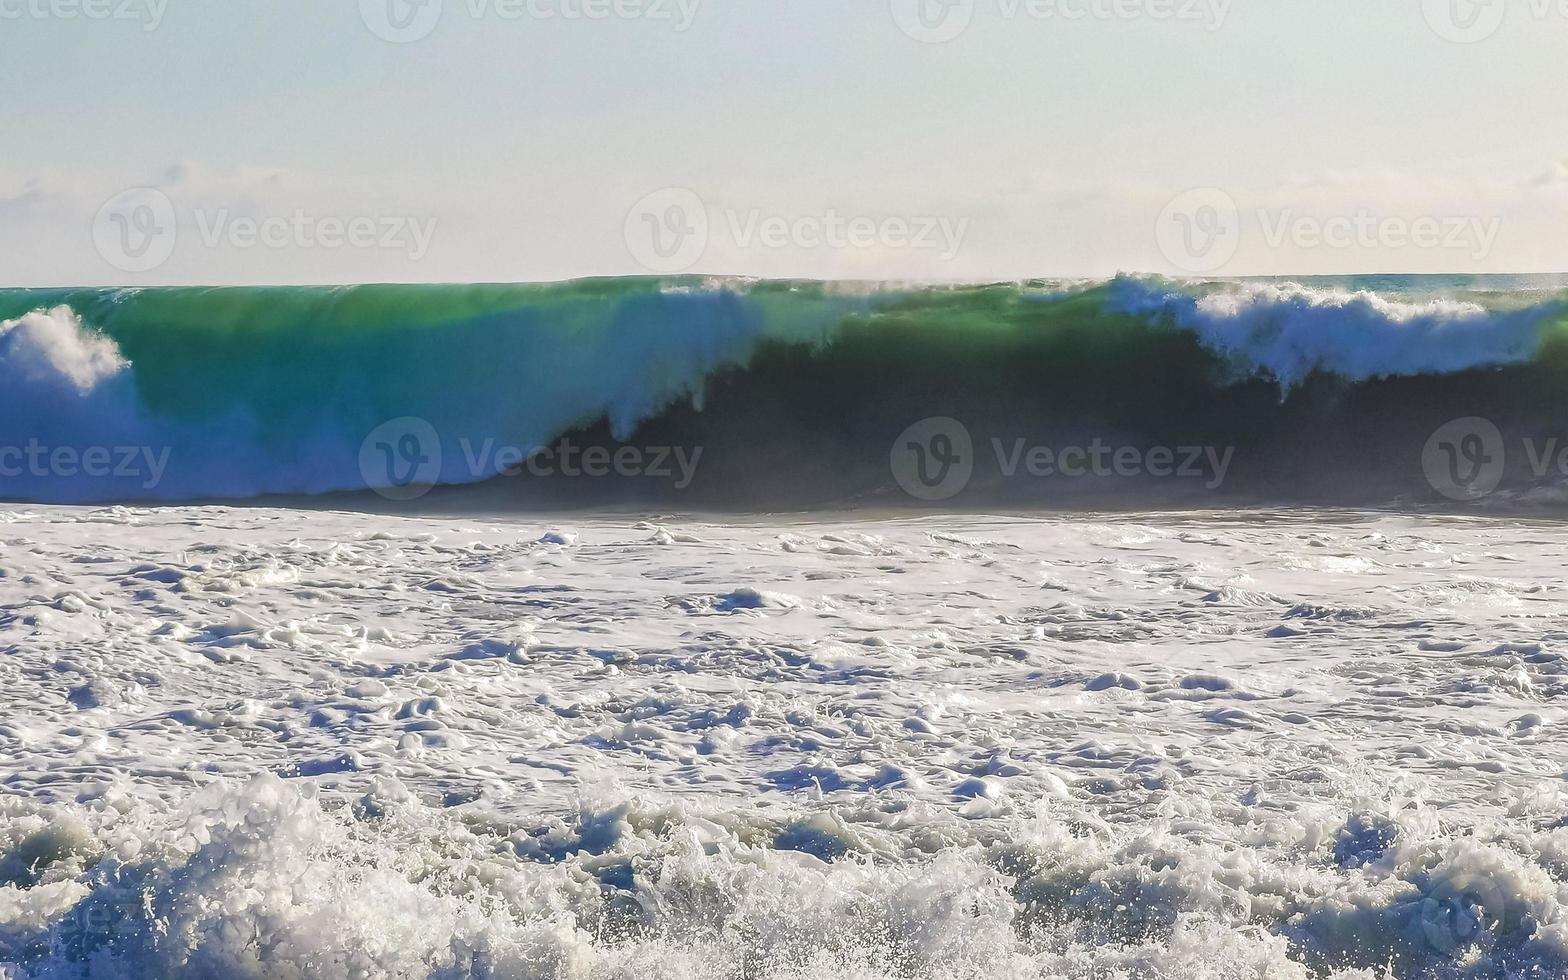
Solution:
(270, 743)
(268, 710)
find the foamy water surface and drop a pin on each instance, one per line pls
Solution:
(272, 743)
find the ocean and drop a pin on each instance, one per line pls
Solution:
(701, 628)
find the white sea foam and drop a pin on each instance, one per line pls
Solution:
(263, 743)
(51, 348)
(1290, 330)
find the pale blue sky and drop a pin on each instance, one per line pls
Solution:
(1045, 146)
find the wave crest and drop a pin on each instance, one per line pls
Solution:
(54, 349)
(1290, 330)
(248, 392)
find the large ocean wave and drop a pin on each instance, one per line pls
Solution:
(795, 391)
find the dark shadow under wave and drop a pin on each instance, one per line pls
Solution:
(1067, 406)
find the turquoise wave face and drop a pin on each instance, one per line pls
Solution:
(289, 358)
(244, 392)
(273, 390)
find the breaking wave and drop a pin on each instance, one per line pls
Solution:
(796, 390)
